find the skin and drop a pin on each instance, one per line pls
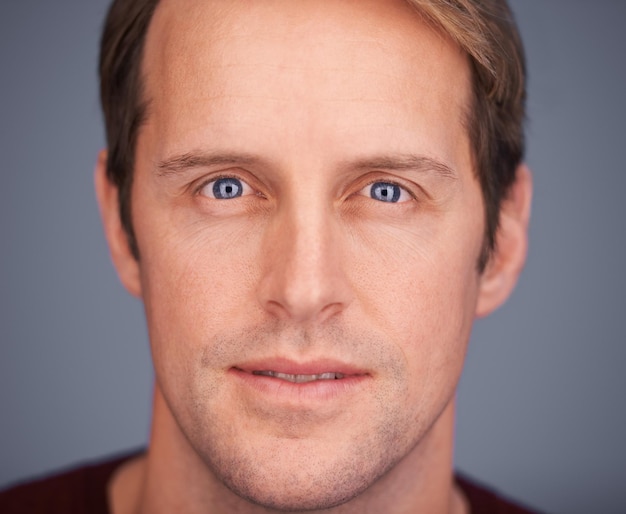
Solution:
(308, 106)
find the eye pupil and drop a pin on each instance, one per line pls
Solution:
(385, 192)
(226, 188)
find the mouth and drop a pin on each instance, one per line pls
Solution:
(296, 381)
(299, 378)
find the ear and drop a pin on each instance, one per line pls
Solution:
(125, 263)
(509, 255)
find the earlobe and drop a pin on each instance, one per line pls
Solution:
(509, 256)
(125, 263)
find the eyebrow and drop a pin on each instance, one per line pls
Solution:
(400, 162)
(180, 163)
(405, 162)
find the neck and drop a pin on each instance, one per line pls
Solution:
(171, 477)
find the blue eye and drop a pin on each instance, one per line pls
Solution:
(227, 188)
(385, 192)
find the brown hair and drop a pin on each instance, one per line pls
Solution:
(484, 29)
(121, 95)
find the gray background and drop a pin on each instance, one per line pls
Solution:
(541, 408)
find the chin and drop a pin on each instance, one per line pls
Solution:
(290, 496)
(301, 480)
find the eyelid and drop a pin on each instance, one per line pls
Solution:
(385, 180)
(248, 189)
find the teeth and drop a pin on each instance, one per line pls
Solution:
(299, 379)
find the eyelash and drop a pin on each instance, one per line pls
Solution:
(198, 190)
(390, 181)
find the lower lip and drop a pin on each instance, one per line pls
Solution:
(303, 391)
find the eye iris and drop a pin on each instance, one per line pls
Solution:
(385, 192)
(226, 188)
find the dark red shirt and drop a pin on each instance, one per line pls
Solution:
(83, 490)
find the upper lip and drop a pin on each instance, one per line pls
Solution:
(290, 367)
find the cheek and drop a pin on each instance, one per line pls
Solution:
(196, 281)
(421, 291)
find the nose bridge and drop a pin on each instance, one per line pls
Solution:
(304, 279)
(311, 235)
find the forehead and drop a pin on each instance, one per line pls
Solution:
(349, 63)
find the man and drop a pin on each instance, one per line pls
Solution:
(314, 199)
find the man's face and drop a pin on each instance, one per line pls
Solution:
(305, 205)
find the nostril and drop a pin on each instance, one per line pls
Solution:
(331, 310)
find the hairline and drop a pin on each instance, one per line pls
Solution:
(469, 120)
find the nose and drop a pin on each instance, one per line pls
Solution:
(303, 277)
